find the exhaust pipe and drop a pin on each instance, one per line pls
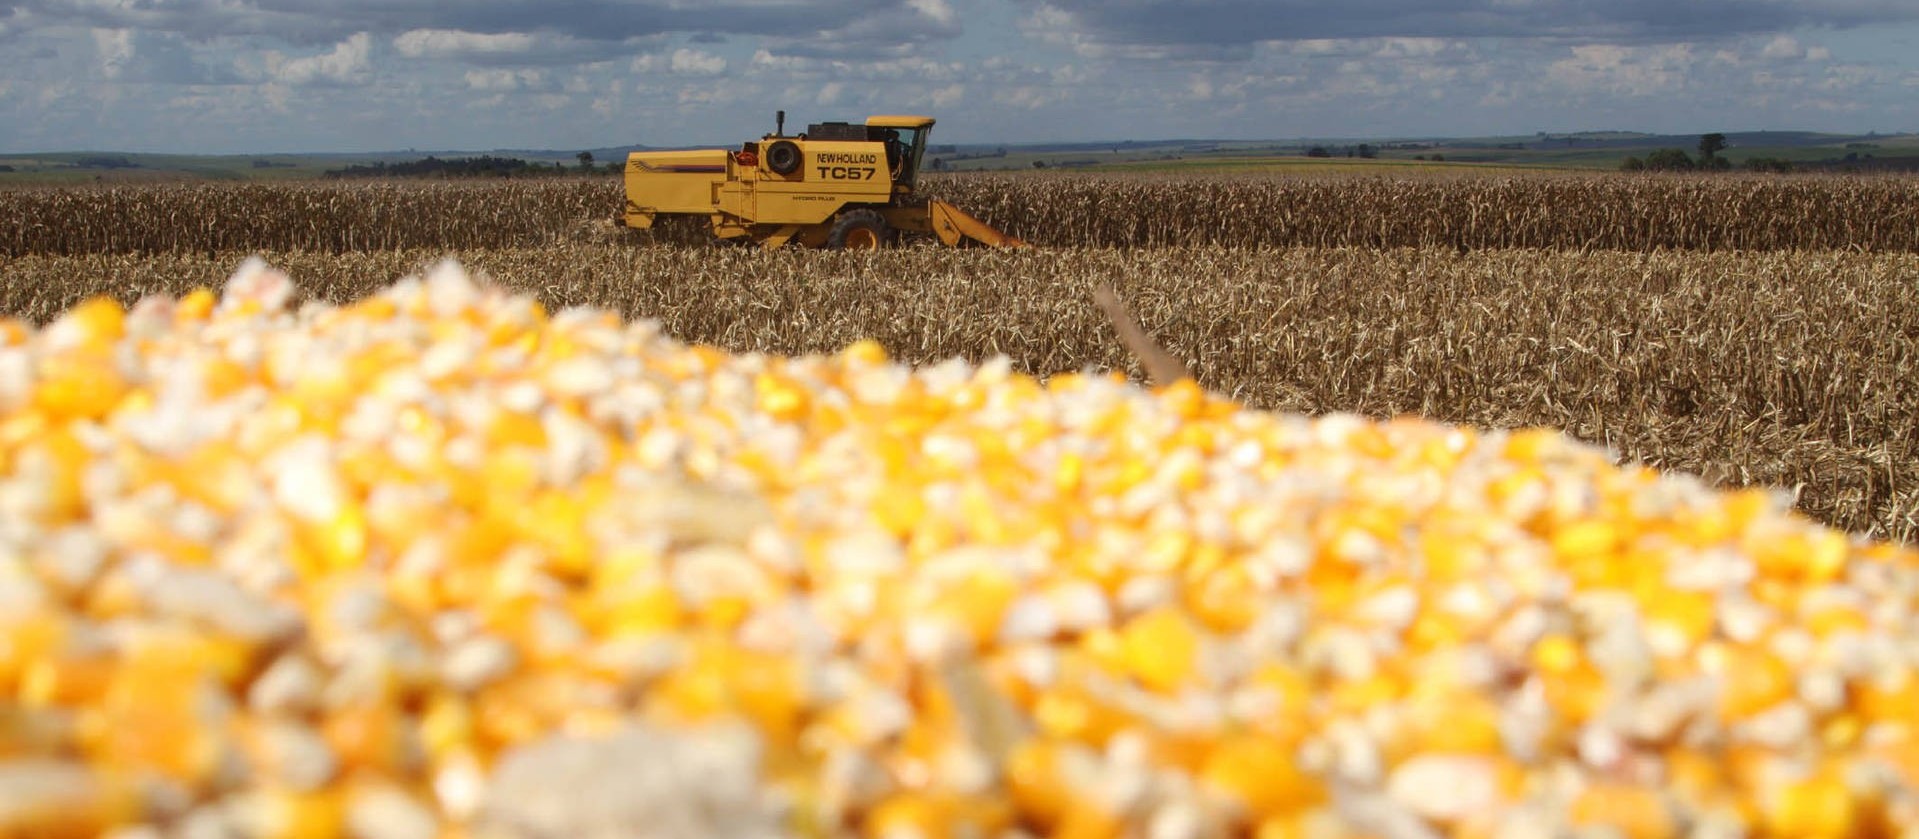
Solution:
(779, 124)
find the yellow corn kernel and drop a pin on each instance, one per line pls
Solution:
(1841, 732)
(1357, 696)
(1033, 780)
(13, 332)
(285, 814)
(1688, 613)
(447, 726)
(1750, 681)
(1832, 620)
(511, 428)
(866, 352)
(1877, 700)
(1635, 812)
(1576, 693)
(96, 321)
(369, 735)
(196, 306)
(1262, 775)
(31, 638)
(65, 681)
(1161, 649)
(910, 816)
(1808, 558)
(74, 387)
(1818, 807)
(1227, 600)
(780, 399)
(1593, 538)
(978, 602)
(1556, 654)
(1453, 721)
(650, 611)
(1072, 714)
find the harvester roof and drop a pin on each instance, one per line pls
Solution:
(897, 121)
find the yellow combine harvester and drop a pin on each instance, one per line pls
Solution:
(839, 185)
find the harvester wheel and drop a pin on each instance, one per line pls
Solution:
(859, 230)
(783, 157)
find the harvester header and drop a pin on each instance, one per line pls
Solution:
(837, 185)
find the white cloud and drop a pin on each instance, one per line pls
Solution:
(1411, 47)
(691, 62)
(495, 80)
(681, 62)
(453, 43)
(948, 96)
(1623, 70)
(766, 60)
(936, 10)
(115, 49)
(346, 63)
(1783, 47)
(1028, 97)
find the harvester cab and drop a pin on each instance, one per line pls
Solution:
(837, 185)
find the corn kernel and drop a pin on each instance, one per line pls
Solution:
(1161, 649)
(1636, 812)
(1263, 776)
(1818, 807)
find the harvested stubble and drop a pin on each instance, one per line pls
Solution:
(1715, 213)
(1784, 370)
(437, 563)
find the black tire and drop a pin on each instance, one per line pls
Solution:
(783, 157)
(865, 228)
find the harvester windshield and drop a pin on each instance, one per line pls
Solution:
(907, 144)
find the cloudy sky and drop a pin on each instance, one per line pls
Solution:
(241, 76)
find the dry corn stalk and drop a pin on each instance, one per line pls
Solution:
(1161, 367)
(438, 563)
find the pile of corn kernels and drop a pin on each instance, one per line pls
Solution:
(440, 564)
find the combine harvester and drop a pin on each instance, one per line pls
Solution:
(838, 185)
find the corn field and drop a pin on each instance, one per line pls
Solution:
(1739, 213)
(1787, 370)
(666, 539)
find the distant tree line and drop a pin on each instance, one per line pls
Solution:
(1709, 160)
(1676, 160)
(1364, 150)
(485, 166)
